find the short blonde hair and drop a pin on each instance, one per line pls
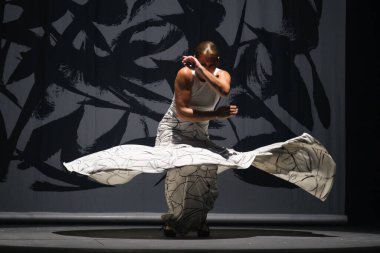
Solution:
(207, 48)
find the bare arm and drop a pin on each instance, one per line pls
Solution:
(221, 84)
(183, 84)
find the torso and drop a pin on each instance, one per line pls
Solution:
(203, 96)
(173, 130)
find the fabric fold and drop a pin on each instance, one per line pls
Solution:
(302, 160)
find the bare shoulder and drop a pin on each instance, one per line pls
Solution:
(185, 73)
(223, 73)
(184, 76)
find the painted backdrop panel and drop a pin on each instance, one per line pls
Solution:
(82, 76)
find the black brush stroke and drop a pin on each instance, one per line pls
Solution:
(322, 103)
(3, 131)
(138, 6)
(286, 80)
(112, 137)
(45, 142)
(9, 95)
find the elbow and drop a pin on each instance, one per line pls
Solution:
(225, 92)
(181, 115)
(185, 115)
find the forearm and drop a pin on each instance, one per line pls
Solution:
(189, 114)
(222, 88)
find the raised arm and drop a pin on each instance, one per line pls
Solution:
(183, 84)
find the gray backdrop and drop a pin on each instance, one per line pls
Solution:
(81, 76)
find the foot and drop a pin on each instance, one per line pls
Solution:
(204, 230)
(169, 231)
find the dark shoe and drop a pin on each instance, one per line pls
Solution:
(204, 231)
(169, 231)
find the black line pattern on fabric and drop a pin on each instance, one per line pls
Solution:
(300, 161)
(190, 193)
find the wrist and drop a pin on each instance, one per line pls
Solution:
(199, 68)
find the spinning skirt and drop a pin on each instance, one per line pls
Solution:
(302, 161)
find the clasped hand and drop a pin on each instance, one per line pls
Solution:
(227, 111)
(191, 62)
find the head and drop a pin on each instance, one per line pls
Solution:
(207, 54)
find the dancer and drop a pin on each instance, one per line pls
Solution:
(190, 190)
(183, 149)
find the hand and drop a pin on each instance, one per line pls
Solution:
(228, 111)
(190, 62)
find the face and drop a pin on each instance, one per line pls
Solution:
(209, 62)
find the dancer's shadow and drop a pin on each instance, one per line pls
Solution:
(216, 233)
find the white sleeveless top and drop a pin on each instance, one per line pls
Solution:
(203, 96)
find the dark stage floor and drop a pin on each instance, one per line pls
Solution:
(111, 238)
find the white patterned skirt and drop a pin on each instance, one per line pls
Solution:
(302, 161)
